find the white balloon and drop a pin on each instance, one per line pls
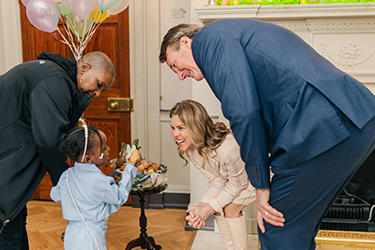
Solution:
(106, 4)
(120, 7)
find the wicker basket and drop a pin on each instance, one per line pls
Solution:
(147, 181)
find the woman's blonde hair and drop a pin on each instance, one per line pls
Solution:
(205, 135)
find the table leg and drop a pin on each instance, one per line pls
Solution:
(151, 242)
(144, 241)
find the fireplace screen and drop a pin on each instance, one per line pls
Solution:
(352, 210)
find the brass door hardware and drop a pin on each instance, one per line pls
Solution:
(120, 104)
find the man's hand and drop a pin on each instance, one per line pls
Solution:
(266, 212)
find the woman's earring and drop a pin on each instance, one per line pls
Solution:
(80, 83)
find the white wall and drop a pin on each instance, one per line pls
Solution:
(10, 35)
(173, 12)
(188, 179)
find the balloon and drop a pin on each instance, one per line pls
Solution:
(99, 16)
(25, 2)
(43, 15)
(56, 1)
(81, 8)
(95, 6)
(62, 8)
(78, 27)
(106, 4)
(121, 6)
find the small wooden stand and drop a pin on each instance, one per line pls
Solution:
(144, 241)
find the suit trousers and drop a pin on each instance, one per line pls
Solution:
(14, 235)
(305, 192)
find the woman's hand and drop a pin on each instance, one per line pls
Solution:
(202, 210)
(266, 212)
(199, 214)
(194, 221)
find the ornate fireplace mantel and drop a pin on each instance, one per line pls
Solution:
(282, 12)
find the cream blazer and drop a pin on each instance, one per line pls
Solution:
(225, 171)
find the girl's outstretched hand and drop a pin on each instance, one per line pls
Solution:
(266, 211)
(135, 158)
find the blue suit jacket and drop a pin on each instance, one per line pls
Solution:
(258, 71)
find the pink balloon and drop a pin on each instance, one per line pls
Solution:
(43, 15)
(25, 2)
(80, 8)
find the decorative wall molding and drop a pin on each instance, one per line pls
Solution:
(300, 11)
(328, 24)
(316, 10)
(337, 24)
(348, 53)
(295, 26)
(211, 13)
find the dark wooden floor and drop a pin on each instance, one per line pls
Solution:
(45, 225)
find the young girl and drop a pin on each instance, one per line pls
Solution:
(214, 151)
(88, 196)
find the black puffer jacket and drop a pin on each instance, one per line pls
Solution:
(39, 104)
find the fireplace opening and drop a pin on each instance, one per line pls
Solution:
(353, 209)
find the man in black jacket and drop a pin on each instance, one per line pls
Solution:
(40, 102)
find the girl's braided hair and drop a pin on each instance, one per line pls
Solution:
(74, 142)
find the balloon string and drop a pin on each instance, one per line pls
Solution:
(78, 44)
(67, 43)
(60, 40)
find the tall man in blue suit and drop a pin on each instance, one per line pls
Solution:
(289, 108)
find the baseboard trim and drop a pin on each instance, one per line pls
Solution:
(164, 201)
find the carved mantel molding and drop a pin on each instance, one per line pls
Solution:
(208, 14)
